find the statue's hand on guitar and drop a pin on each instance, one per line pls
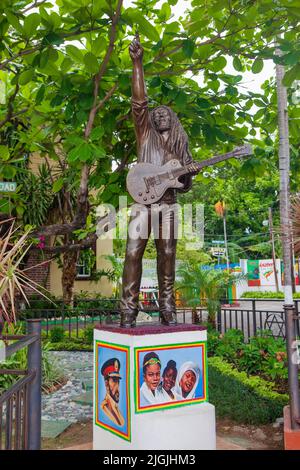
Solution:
(147, 183)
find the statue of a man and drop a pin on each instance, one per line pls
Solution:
(160, 138)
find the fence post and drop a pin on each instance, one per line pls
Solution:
(254, 318)
(219, 318)
(35, 388)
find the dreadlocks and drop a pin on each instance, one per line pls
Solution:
(177, 142)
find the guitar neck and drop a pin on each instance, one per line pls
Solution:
(203, 164)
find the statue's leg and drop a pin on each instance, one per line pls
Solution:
(166, 257)
(138, 233)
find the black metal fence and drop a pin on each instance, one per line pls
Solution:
(20, 405)
(253, 315)
(89, 312)
(248, 315)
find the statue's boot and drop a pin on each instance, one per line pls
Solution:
(168, 318)
(128, 319)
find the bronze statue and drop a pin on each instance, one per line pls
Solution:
(160, 138)
(161, 141)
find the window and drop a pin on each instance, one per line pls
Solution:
(85, 264)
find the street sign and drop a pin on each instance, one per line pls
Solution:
(218, 251)
(7, 187)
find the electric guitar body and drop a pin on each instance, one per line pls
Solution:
(147, 183)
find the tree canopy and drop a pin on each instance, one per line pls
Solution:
(65, 94)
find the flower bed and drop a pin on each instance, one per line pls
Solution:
(248, 382)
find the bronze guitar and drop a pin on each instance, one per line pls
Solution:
(147, 183)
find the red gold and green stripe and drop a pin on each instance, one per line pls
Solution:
(137, 351)
(114, 347)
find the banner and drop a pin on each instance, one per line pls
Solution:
(266, 272)
(253, 272)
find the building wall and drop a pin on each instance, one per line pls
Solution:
(103, 286)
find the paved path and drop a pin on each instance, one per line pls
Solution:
(60, 405)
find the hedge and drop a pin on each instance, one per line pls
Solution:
(266, 295)
(69, 346)
(243, 398)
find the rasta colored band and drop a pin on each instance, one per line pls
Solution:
(152, 361)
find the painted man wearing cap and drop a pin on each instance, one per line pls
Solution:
(110, 371)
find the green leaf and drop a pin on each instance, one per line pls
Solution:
(237, 64)
(99, 45)
(9, 172)
(86, 152)
(291, 75)
(257, 65)
(31, 23)
(74, 53)
(165, 11)
(144, 26)
(188, 48)
(52, 38)
(14, 21)
(99, 152)
(91, 63)
(40, 94)
(57, 185)
(25, 76)
(97, 133)
(219, 64)
(4, 152)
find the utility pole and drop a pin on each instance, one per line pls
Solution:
(289, 306)
(273, 248)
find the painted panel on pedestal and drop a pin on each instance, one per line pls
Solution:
(170, 375)
(112, 400)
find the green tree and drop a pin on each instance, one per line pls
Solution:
(65, 91)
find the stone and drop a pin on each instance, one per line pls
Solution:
(259, 434)
(239, 430)
(279, 421)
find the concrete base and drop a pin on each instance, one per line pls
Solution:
(186, 427)
(291, 436)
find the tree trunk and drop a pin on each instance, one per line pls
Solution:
(69, 272)
(286, 234)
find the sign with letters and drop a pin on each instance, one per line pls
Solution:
(7, 187)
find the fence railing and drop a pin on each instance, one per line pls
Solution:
(253, 315)
(83, 315)
(20, 405)
(248, 315)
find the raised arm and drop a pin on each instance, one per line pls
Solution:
(138, 83)
(139, 100)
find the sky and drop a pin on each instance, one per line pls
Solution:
(251, 82)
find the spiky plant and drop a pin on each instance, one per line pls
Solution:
(13, 279)
(206, 287)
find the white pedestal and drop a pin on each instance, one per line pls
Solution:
(183, 424)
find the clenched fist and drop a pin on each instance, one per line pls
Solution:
(135, 49)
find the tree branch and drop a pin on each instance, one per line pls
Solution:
(82, 197)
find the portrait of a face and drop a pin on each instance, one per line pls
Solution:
(162, 119)
(112, 389)
(170, 376)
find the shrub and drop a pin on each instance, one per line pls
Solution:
(88, 335)
(266, 295)
(250, 400)
(70, 346)
(230, 343)
(57, 334)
